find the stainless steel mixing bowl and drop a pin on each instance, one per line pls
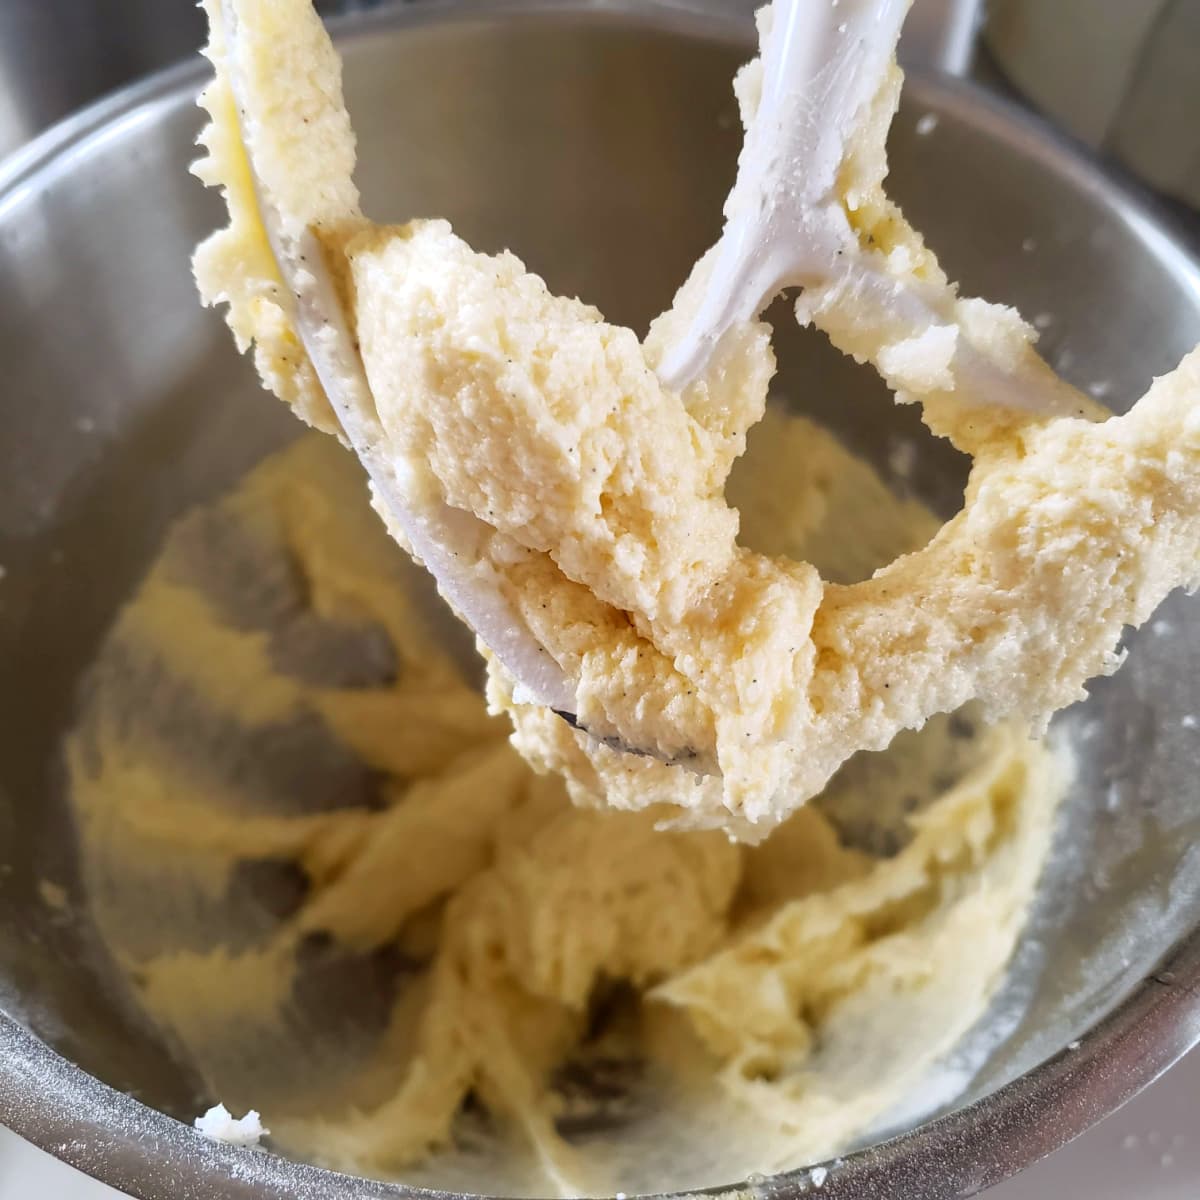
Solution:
(597, 139)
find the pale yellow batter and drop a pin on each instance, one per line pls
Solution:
(599, 494)
(349, 904)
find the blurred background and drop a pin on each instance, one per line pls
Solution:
(1123, 76)
(57, 55)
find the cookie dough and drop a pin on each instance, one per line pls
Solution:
(343, 898)
(748, 678)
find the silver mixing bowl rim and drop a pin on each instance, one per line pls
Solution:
(114, 1138)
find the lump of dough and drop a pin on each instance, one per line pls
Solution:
(530, 410)
(790, 676)
(745, 681)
